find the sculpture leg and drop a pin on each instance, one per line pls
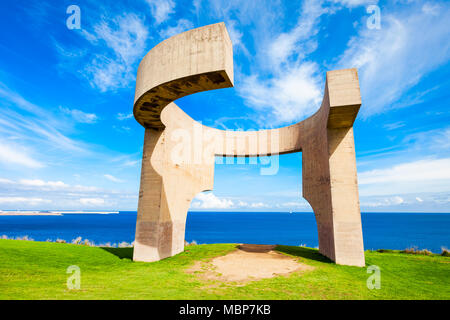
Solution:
(330, 186)
(316, 189)
(347, 229)
(159, 232)
(173, 172)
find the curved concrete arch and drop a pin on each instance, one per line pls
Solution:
(179, 153)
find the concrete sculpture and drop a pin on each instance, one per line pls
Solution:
(179, 153)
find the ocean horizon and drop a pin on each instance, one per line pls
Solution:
(381, 230)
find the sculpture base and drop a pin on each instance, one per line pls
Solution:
(158, 240)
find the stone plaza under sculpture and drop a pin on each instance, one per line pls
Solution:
(179, 153)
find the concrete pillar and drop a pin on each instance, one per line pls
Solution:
(156, 233)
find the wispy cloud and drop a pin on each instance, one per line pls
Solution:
(435, 141)
(17, 155)
(112, 178)
(61, 195)
(42, 185)
(395, 58)
(124, 116)
(251, 205)
(417, 171)
(80, 116)
(294, 204)
(235, 35)
(131, 163)
(117, 44)
(354, 3)
(20, 200)
(28, 122)
(394, 125)
(181, 26)
(426, 175)
(293, 88)
(92, 201)
(161, 9)
(295, 44)
(287, 97)
(384, 202)
(126, 36)
(207, 200)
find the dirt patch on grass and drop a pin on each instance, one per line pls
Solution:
(248, 263)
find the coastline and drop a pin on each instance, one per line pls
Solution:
(85, 212)
(52, 213)
(21, 213)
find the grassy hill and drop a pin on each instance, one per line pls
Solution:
(37, 270)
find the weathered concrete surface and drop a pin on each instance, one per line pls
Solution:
(178, 159)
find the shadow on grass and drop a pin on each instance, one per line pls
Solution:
(121, 253)
(307, 253)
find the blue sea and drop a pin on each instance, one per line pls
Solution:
(380, 230)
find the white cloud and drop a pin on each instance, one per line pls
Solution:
(131, 163)
(161, 9)
(197, 6)
(126, 38)
(80, 116)
(422, 170)
(242, 204)
(92, 201)
(395, 58)
(126, 35)
(256, 205)
(251, 205)
(394, 125)
(124, 116)
(106, 74)
(6, 200)
(236, 36)
(122, 129)
(355, 3)
(41, 183)
(291, 204)
(436, 141)
(85, 188)
(63, 196)
(397, 200)
(431, 8)
(112, 178)
(288, 97)
(181, 26)
(428, 175)
(34, 124)
(293, 88)
(300, 39)
(6, 181)
(210, 201)
(408, 202)
(386, 202)
(16, 155)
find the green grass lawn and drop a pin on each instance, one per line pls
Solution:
(37, 270)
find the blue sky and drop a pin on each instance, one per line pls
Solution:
(68, 140)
